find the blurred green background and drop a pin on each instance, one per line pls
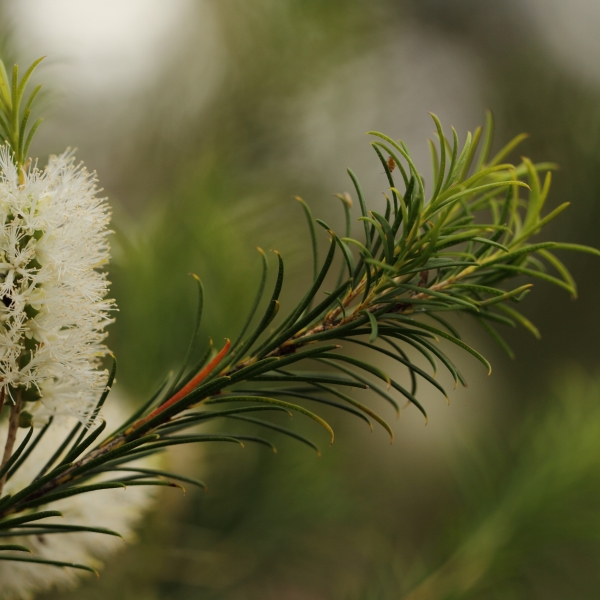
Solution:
(203, 118)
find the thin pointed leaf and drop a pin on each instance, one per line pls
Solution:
(336, 333)
(304, 303)
(14, 548)
(447, 336)
(53, 497)
(451, 168)
(16, 521)
(472, 151)
(192, 439)
(406, 156)
(269, 315)
(411, 366)
(283, 403)
(435, 165)
(377, 227)
(456, 375)
(22, 128)
(30, 448)
(15, 456)
(144, 407)
(442, 167)
(309, 378)
(488, 138)
(497, 338)
(389, 236)
(107, 388)
(455, 197)
(197, 418)
(511, 256)
(525, 322)
(406, 361)
(357, 363)
(445, 323)
(86, 443)
(47, 561)
(279, 429)
(32, 131)
(508, 148)
(313, 235)
(442, 296)
(460, 162)
(513, 293)
(261, 289)
(4, 86)
(374, 326)
(363, 206)
(576, 248)
(361, 407)
(176, 385)
(562, 269)
(49, 527)
(25, 78)
(366, 382)
(289, 333)
(59, 450)
(33, 487)
(488, 242)
(390, 179)
(204, 359)
(527, 232)
(538, 275)
(158, 473)
(116, 453)
(194, 397)
(296, 394)
(276, 363)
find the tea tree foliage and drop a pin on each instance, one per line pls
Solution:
(13, 119)
(464, 243)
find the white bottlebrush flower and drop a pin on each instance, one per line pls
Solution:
(116, 509)
(53, 311)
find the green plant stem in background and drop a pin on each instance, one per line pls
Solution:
(469, 564)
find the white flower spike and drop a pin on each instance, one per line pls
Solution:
(53, 311)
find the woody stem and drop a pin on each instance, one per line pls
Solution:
(13, 426)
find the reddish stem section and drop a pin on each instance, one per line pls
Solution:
(188, 387)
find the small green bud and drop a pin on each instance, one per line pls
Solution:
(25, 419)
(24, 241)
(31, 394)
(29, 345)
(34, 264)
(30, 311)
